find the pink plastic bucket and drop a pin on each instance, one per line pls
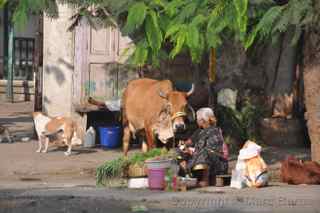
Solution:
(156, 179)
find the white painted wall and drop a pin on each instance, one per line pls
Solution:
(58, 56)
(1, 43)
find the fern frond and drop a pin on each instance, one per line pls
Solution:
(264, 27)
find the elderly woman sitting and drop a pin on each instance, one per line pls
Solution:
(205, 150)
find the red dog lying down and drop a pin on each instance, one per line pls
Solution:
(294, 171)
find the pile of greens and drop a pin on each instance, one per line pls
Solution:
(117, 167)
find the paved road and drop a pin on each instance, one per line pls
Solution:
(276, 198)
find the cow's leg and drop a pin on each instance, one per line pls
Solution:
(126, 140)
(149, 136)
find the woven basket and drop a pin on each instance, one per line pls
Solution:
(137, 170)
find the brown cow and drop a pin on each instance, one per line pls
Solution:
(294, 171)
(152, 106)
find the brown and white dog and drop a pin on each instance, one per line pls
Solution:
(64, 126)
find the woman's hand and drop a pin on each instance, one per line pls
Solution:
(189, 150)
(188, 142)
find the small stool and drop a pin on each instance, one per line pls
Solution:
(223, 180)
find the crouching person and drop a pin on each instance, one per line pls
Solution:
(204, 154)
(255, 173)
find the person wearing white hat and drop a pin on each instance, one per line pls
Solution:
(256, 170)
(207, 148)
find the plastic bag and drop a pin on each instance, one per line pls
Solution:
(113, 105)
(237, 180)
(238, 175)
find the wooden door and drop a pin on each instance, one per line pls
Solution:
(99, 64)
(102, 55)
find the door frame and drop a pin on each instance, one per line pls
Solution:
(81, 74)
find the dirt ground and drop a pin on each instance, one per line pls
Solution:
(20, 165)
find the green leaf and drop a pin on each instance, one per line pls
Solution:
(172, 30)
(264, 27)
(2, 3)
(20, 15)
(173, 7)
(154, 34)
(197, 51)
(164, 23)
(160, 3)
(187, 11)
(192, 37)
(241, 7)
(250, 39)
(136, 16)
(269, 18)
(198, 20)
(180, 41)
(214, 41)
(140, 54)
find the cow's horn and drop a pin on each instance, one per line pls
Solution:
(191, 90)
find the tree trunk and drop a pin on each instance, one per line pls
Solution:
(281, 76)
(312, 90)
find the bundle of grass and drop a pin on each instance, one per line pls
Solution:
(119, 167)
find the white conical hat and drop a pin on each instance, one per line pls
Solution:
(250, 150)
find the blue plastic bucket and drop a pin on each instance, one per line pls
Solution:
(110, 136)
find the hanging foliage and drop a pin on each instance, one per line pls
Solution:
(166, 28)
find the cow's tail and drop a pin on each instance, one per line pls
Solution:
(124, 119)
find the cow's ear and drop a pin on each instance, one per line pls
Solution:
(162, 94)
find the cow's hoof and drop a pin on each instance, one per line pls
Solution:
(44, 151)
(38, 150)
(67, 153)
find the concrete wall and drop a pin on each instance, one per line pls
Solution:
(1, 42)
(58, 54)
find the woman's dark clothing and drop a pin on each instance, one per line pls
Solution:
(208, 144)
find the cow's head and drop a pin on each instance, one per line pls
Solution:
(176, 107)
